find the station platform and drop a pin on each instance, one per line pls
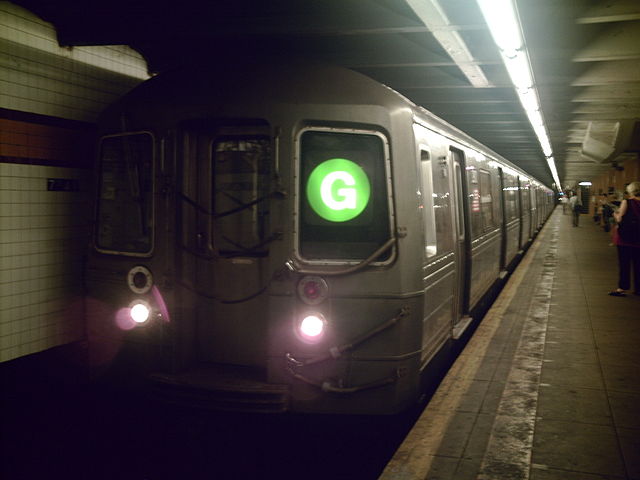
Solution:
(548, 388)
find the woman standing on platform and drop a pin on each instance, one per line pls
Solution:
(627, 239)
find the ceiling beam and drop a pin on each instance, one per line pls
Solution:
(621, 41)
(610, 73)
(611, 11)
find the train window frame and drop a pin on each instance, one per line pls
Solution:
(298, 195)
(152, 193)
(427, 204)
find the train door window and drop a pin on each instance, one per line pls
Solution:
(241, 162)
(526, 198)
(343, 201)
(461, 233)
(125, 204)
(486, 200)
(190, 178)
(475, 212)
(442, 204)
(427, 206)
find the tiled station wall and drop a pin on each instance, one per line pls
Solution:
(50, 98)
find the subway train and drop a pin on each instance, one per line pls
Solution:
(292, 237)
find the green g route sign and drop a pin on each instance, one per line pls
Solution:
(338, 190)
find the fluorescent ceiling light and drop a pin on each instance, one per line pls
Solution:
(431, 14)
(519, 70)
(535, 118)
(585, 184)
(546, 146)
(504, 24)
(529, 99)
(554, 172)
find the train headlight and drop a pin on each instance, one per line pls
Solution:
(140, 311)
(312, 327)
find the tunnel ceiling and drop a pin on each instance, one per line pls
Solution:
(585, 56)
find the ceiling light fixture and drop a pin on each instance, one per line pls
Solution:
(435, 19)
(503, 22)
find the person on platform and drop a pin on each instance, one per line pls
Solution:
(626, 237)
(575, 205)
(564, 201)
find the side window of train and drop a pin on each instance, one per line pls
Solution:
(486, 200)
(510, 192)
(428, 213)
(125, 204)
(481, 198)
(241, 160)
(435, 189)
(526, 198)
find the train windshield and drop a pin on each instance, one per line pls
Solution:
(344, 204)
(124, 223)
(241, 166)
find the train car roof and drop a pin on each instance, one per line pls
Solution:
(182, 92)
(255, 81)
(439, 125)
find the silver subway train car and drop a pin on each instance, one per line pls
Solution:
(292, 237)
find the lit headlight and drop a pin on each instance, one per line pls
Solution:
(312, 327)
(140, 311)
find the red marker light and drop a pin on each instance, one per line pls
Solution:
(312, 290)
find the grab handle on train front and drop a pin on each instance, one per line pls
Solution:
(290, 264)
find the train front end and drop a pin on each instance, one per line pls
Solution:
(342, 335)
(247, 254)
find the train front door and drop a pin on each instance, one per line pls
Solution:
(225, 232)
(462, 246)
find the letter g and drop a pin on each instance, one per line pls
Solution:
(348, 200)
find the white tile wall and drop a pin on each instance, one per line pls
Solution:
(25, 28)
(43, 236)
(38, 76)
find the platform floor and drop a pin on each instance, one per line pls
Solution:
(548, 388)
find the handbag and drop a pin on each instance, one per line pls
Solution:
(629, 226)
